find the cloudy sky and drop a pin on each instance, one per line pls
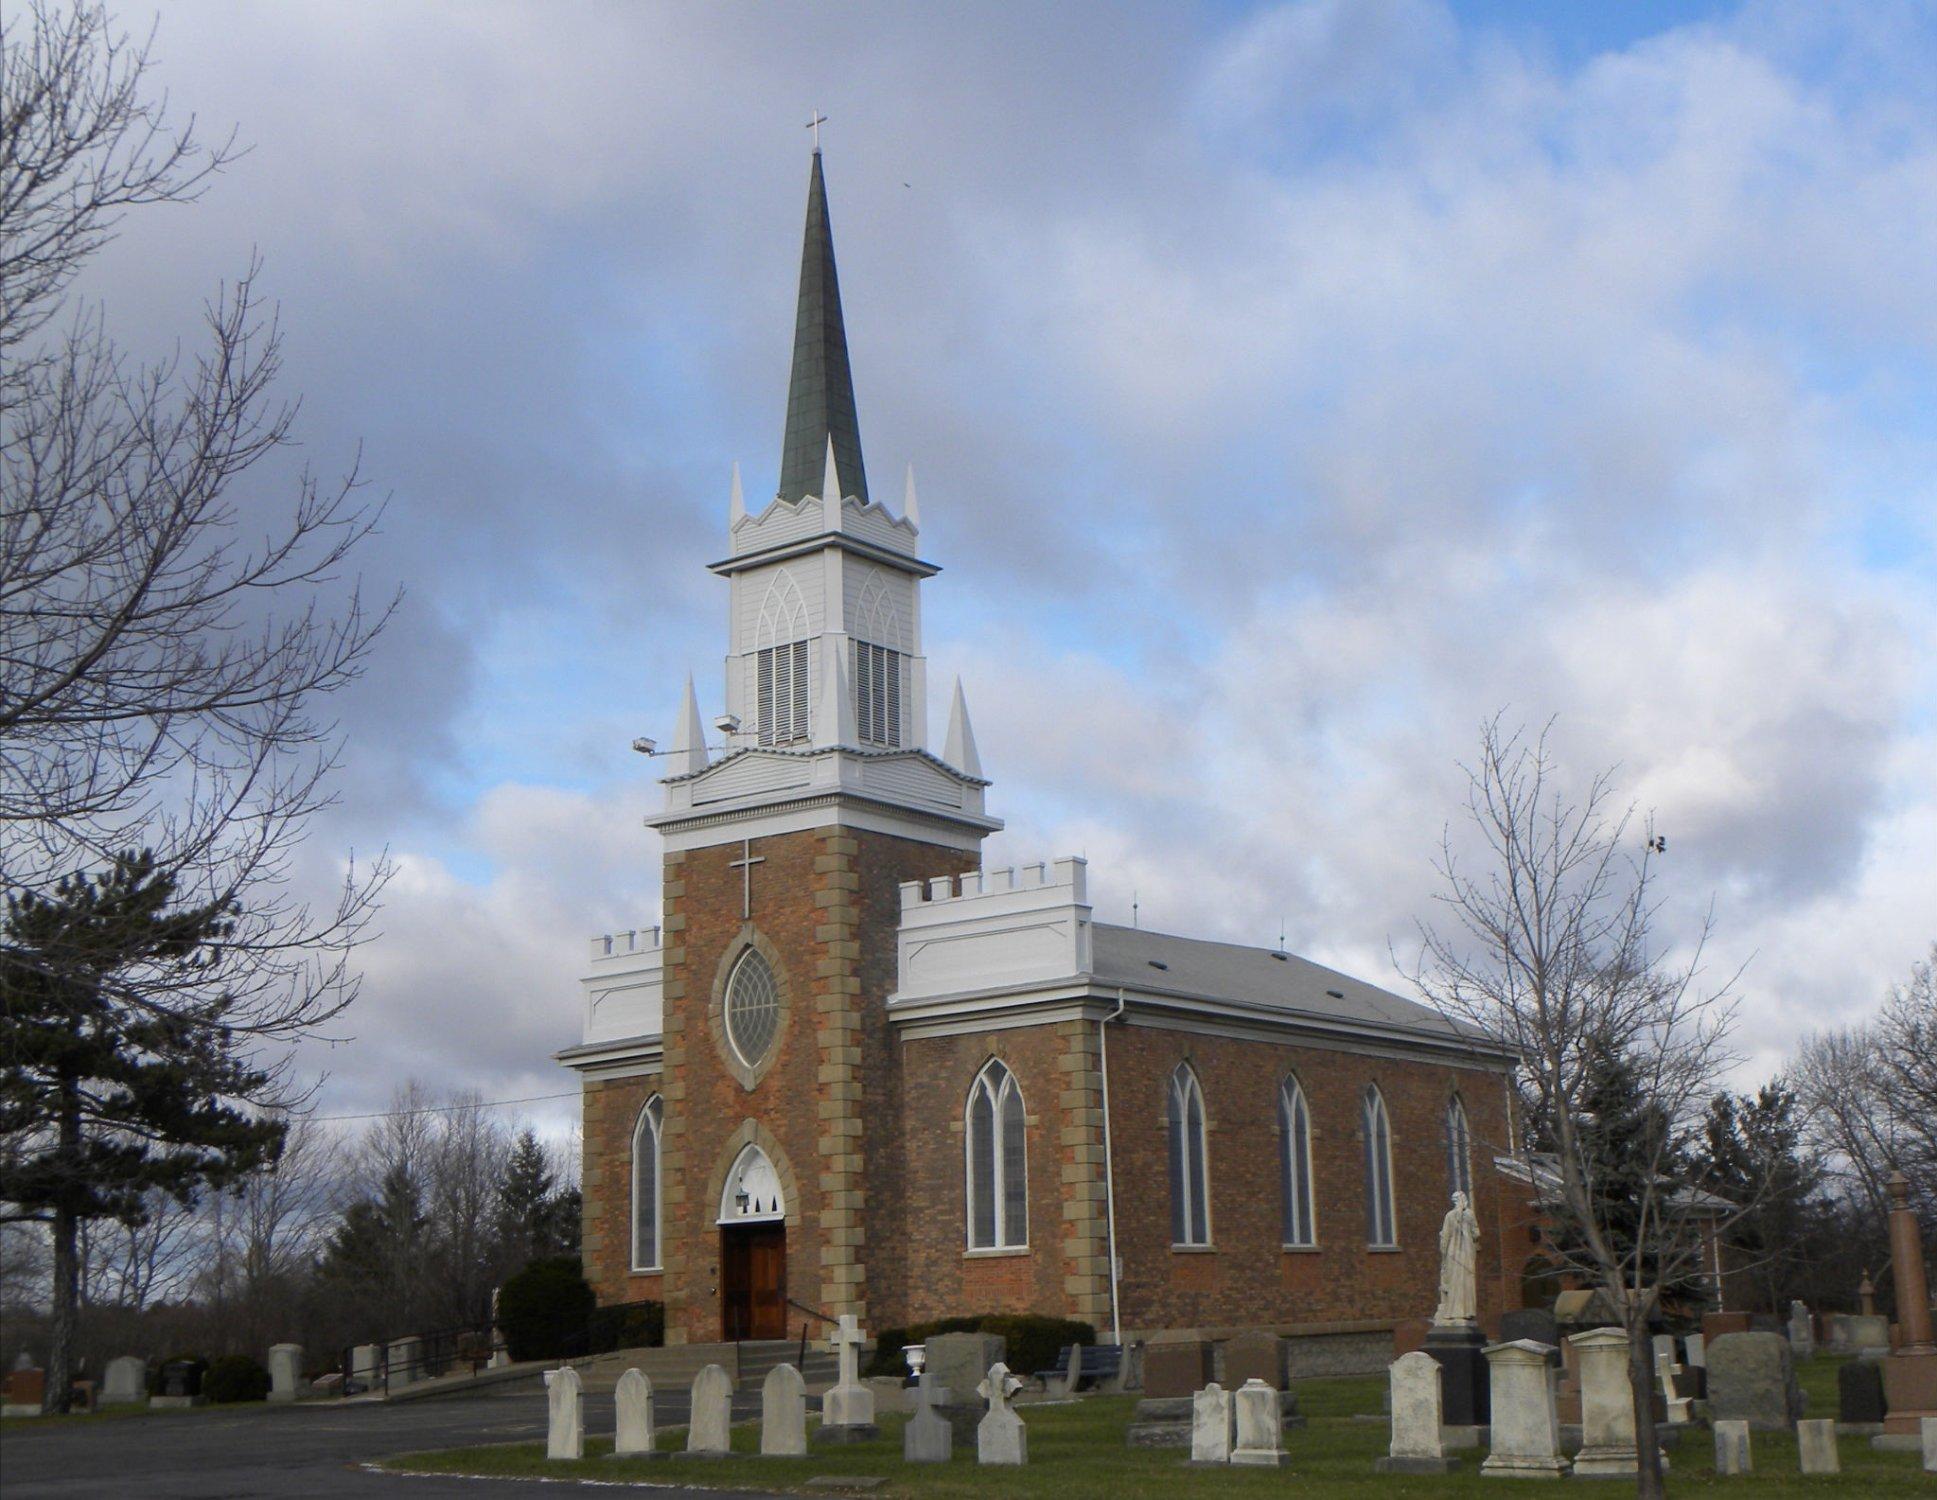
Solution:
(1289, 389)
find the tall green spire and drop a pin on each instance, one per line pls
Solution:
(820, 394)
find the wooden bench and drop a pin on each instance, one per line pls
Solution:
(1081, 1365)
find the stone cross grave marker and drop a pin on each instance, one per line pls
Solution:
(1210, 1425)
(1260, 1426)
(633, 1437)
(565, 1429)
(1418, 1416)
(783, 1413)
(1526, 1426)
(847, 1411)
(929, 1437)
(709, 1430)
(1000, 1437)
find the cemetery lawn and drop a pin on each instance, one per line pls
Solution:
(1077, 1452)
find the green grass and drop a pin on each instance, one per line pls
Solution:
(1077, 1452)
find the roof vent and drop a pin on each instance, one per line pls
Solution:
(1336, 994)
(1158, 963)
(1282, 957)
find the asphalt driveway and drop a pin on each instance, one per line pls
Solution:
(239, 1453)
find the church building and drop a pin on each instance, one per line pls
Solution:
(851, 1070)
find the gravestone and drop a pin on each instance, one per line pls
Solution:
(1859, 1391)
(364, 1360)
(181, 1384)
(1607, 1406)
(1928, 1431)
(406, 1361)
(1816, 1446)
(1000, 1438)
(959, 1360)
(1910, 1371)
(783, 1413)
(126, 1382)
(847, 1411)
(1537, 1324)
(1732, 1454)
(1697, 1347)
(633, 1435)
(565, 1427)
(1211, 1425)
(709, 1431)
(1664, 1348)
(1802, 1333)
(1752, 1378)
(1864, 1334)
(1677, 1393)
(1418, 1442)
(1256, 1355)
(1525, 1426)
(1179, 1368)
(1715, 1324)
(1260, 1426)
(929, 1437)
(285, 1372)
(24, 1388)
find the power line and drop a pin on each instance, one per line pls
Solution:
(443, 1109)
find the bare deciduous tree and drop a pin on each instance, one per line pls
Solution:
(1551, 946)
(167, 636)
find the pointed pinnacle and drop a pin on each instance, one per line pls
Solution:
(736, 508)
(959, 748)
(910, 506)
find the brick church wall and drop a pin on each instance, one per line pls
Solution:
(825, 905)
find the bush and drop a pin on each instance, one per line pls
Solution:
(632, 1325)
(545, 1309)
(1034, 1340)
(235, 1377)
(158, 1386)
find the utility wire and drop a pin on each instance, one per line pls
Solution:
(444, 1109)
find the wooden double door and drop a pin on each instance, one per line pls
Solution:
(753, 1281)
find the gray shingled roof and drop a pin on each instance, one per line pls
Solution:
(820, 392)
(1256, 976)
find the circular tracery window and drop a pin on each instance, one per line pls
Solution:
(752, 1008)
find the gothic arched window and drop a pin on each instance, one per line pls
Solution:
(1381, 1223)
(1190, 1198)
(998, 1162)
(1295, 1163)
(645, 1186)
(1459, 1150)
(752, 1008)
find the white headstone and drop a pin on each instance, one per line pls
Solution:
(1526, 1424)
(1607, 1405)
(1732, 1455)
(1802, 1332)
(364, 1360)
(929, 1437)
(633, 1434)
(406, 1361)
(850, 1403)
(1665, 1349)
(565, 1429)
(1260, 1425)
(1678, 1406)
(285, 1371)
(710, 1429)
(1816, 1446)
(1418, 1417)
(1210, 1425)
(783, 1413)
(1928, 1427)
(125, 1382)
(1697, 1346)
(1000, 1437)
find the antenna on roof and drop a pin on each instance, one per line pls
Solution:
(1281, 934)
(1133, 908)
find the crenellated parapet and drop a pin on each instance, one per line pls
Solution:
(993, 929)
(624, 986)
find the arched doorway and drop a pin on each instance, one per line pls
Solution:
(753, 1250)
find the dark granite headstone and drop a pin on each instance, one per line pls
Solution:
(1465, 1387)
(1859, 1391)
(1254, 1356)
(1176, 1369)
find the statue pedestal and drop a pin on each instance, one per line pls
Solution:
(1465, 1390)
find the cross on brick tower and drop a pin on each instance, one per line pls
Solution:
(846, 1341)
(998, 1388)
(744, 864)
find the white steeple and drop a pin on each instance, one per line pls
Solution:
(959, 748)
(910, 507)
(689, 739)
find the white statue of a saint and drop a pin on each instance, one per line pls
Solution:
(1459, 1246)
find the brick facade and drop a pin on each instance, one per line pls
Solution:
(874, 1169)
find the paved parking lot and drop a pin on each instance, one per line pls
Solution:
(309, 1450)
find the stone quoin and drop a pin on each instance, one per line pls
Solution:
(847, 1068)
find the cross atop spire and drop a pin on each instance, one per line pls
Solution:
(820, 393)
